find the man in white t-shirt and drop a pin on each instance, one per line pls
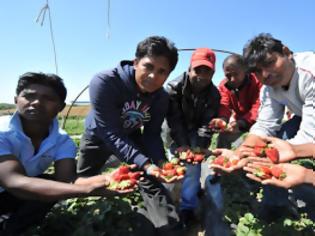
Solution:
(288, 82)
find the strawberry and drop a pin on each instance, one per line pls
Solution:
(263, 172)
(220, 160)
(134, 175)
(220, 124)
(278, 173)
(259, 150)
(118, 177)
(272, 154)
(124, 169)
(168, 166)
(190, 159)
(227, 164)
(133, 182)
(199, 157)
(190, 155)
(234, 162)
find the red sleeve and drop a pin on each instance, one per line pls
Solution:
(225, 102)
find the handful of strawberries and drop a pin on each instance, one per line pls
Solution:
(224, 161)
(123, 178)
(267, 151)
(265, 172)
(218, 126)
(192, 157)
(172, 169)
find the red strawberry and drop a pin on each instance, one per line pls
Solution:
(278, 172)
(272, 154)
(259, 150)
(168, 166)
(133, 182)
(234, 162)
(134, 175)
(190, 154)
(118, 177)
(263, 172)
(227, 164)
(220, 160)
(220, 124)
(199, 157)
(123, 169)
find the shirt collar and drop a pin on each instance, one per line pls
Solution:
(16, 124)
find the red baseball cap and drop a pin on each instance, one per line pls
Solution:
(203, 57)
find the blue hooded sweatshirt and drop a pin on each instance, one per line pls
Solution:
(128, 121)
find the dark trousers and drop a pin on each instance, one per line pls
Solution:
(158, 206)
(22, 213)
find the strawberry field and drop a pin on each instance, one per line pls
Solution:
(116, 216)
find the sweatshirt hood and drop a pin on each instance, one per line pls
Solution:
(126, 72)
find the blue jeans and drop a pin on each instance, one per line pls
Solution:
(214, 208)
(190, 187)
(275, 196)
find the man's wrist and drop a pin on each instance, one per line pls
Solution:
(149, 168)
(310, 177)
(303, 150)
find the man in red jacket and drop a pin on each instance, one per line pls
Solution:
(239, 103)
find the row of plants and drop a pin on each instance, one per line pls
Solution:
(116, 216)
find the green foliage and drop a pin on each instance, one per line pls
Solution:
(248, 226)
(306, 162)
(92, 216)
(6, 106)
(74, 125)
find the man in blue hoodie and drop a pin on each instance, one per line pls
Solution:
(128, 106)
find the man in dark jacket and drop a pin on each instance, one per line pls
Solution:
(194, 101)
(128, 106)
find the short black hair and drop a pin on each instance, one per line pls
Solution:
(256, 50)
(237, 59)
(50, 80)
(158, 46)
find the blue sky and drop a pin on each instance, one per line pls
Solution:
(83, 48)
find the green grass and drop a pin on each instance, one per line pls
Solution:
(74, 125)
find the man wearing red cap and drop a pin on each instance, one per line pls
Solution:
(194, 102)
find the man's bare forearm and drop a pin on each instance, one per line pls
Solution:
(304, 150)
